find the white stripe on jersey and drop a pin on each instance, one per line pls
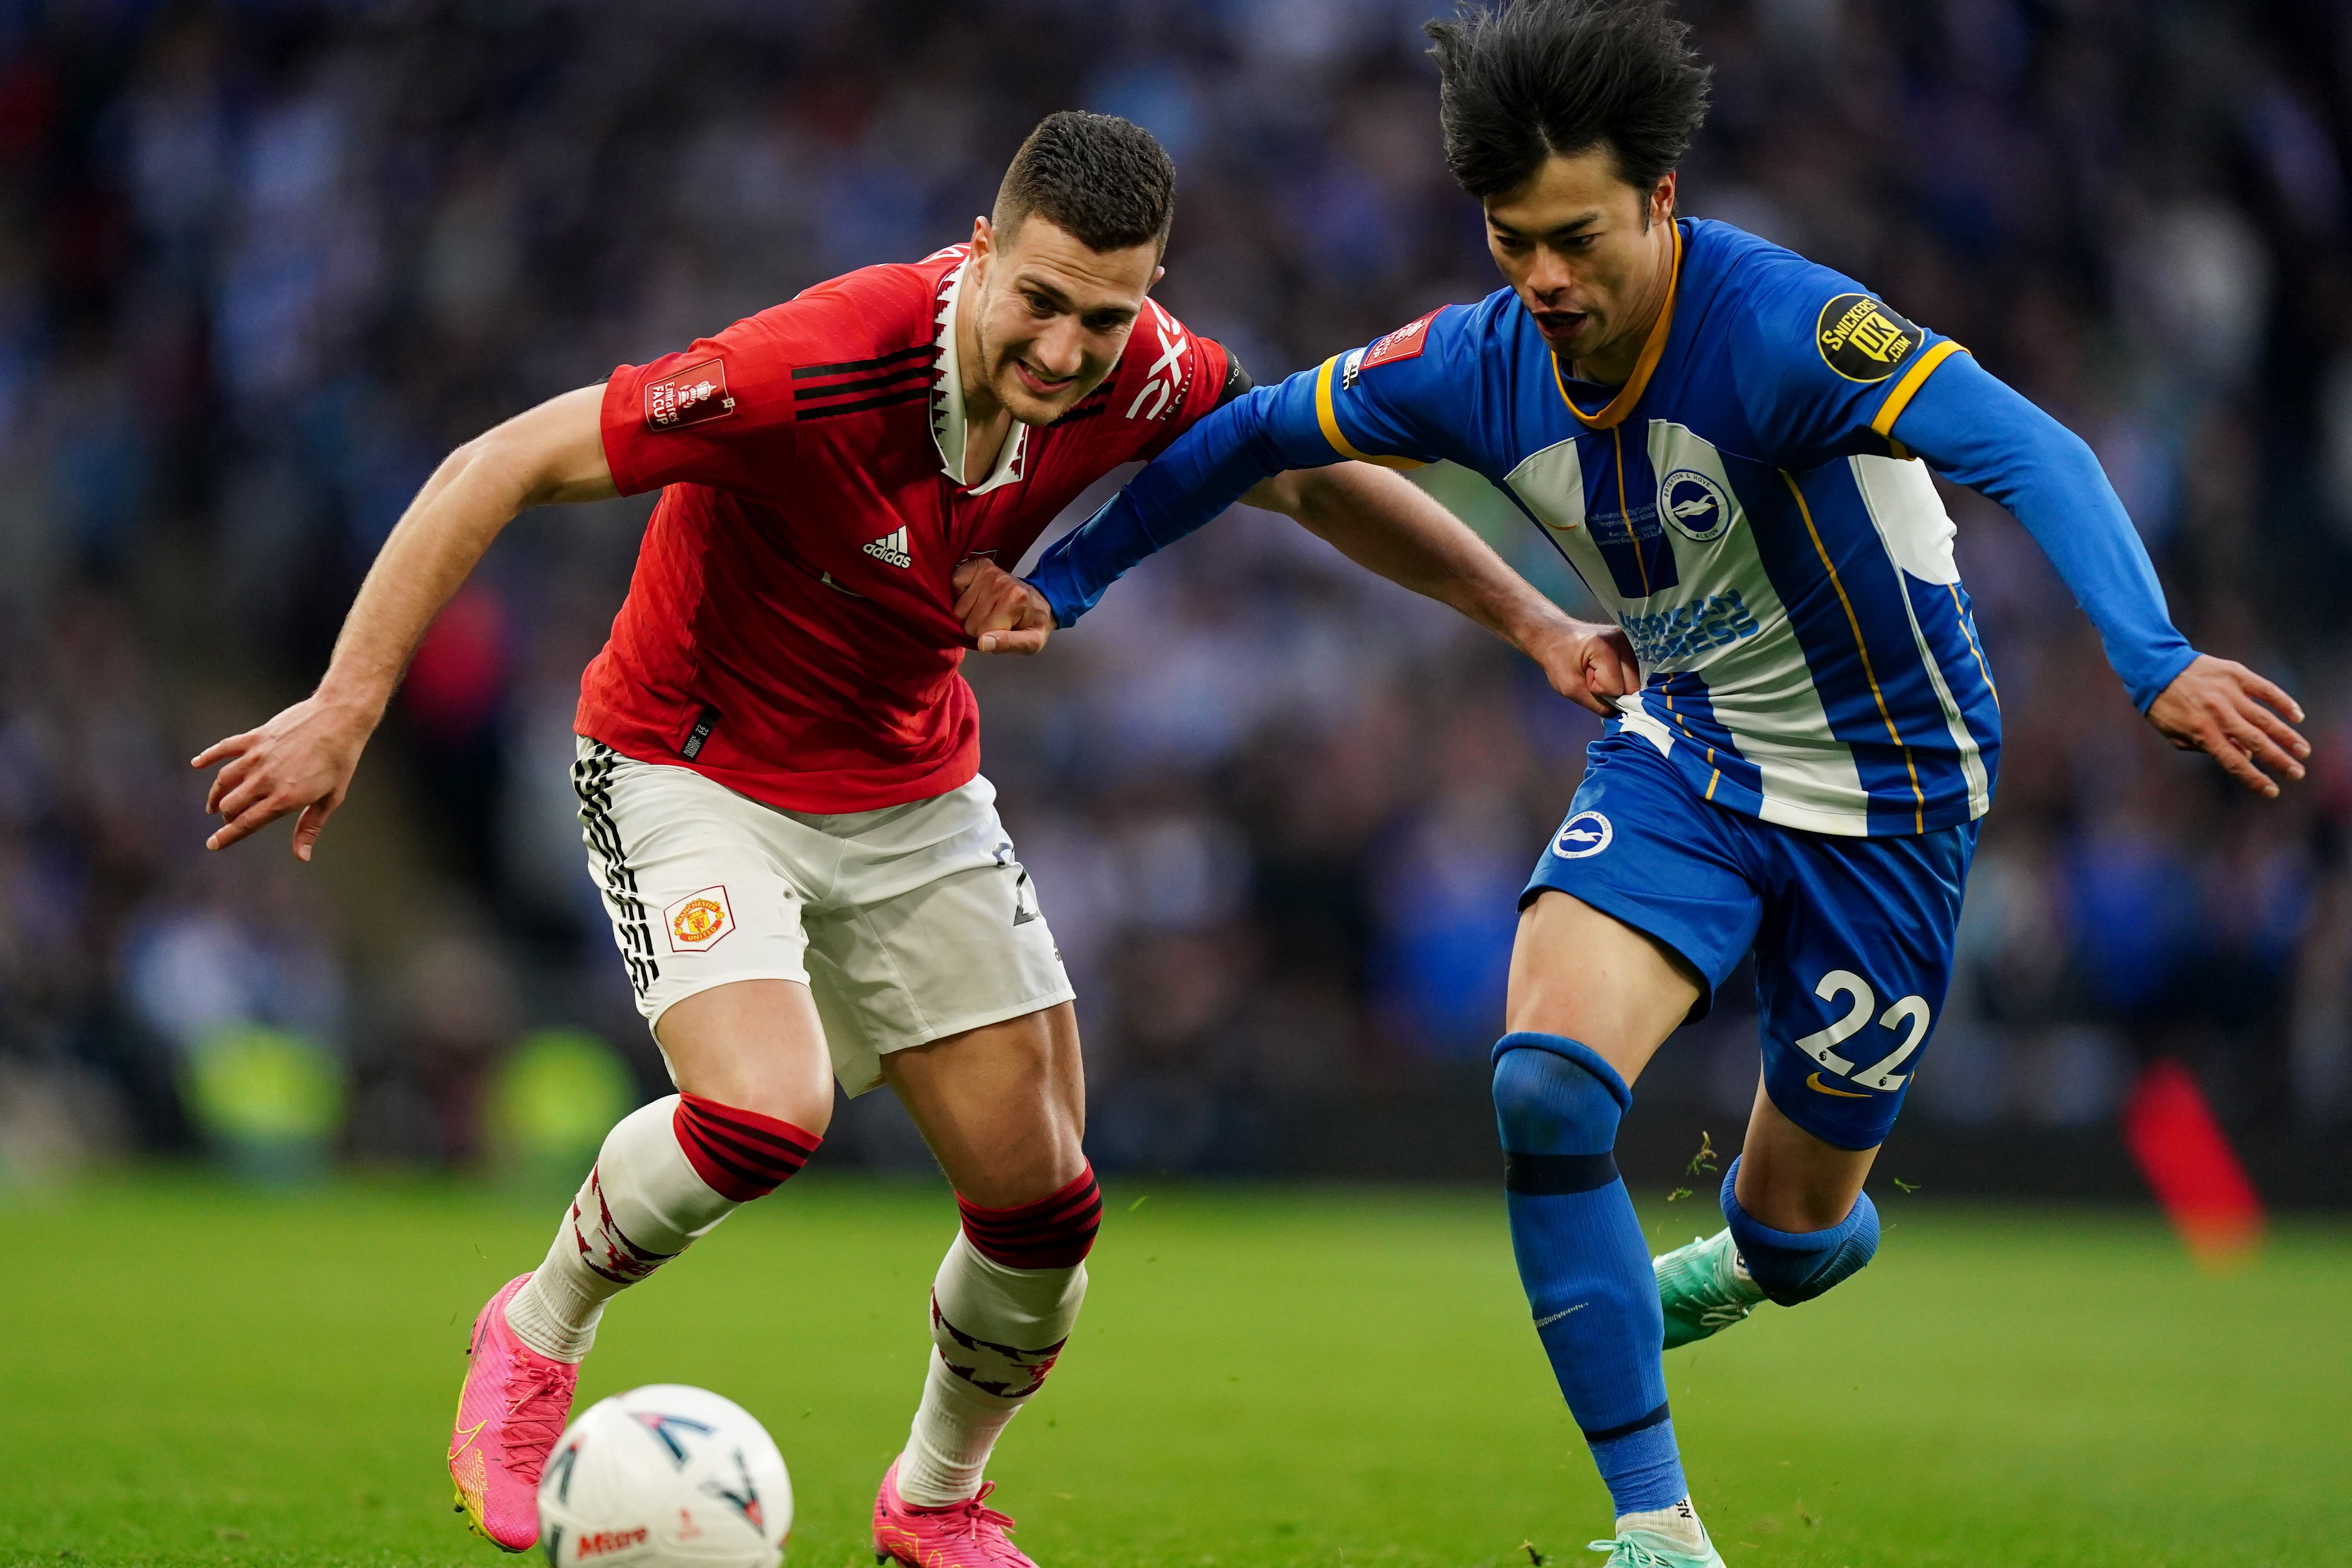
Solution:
(1900, 496)
(1759, 687)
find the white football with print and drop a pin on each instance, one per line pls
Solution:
(662, 1476)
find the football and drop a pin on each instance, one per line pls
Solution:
(664, 1474)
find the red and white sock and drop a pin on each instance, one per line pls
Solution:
(1003, 1307)
(668, 1174)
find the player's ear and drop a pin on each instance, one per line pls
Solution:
(1662, 199)
(1156, 274)
(983, 236)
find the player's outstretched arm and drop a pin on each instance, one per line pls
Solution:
(1206, 470)
(1976, 430)
(1386, 524)
(303, 759)
(1283, 447)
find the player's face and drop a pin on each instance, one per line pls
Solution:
(1574, 244)
(1054, 315)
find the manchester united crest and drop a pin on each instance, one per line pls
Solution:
(699, 920)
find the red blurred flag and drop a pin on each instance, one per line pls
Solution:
(459, 677)
(2189, 1166)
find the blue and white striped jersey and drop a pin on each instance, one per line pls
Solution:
(1742, 506)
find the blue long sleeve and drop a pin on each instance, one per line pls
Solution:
(1397, 401)
(1975, 430)
(1208, 468)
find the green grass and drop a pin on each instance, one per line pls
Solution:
(193, 1375)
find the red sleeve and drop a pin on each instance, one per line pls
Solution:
(1166, 379)
(1200, 390)
(719, 414)
(1204, 391)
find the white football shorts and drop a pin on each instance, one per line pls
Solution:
(908, 925)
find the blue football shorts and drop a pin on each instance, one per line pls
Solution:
(1853, 936)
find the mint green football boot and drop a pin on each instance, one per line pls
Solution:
(1641, 1549)
(1703, 1289)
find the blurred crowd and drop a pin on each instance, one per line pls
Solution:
(263, 261)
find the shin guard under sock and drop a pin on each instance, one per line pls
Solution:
(1583, 1261)
(668, 1174)
(1005, 1300)
(1790, 1267)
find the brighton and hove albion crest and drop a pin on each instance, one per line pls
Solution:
(1586, 833)
(697, 920)
(1694, 505)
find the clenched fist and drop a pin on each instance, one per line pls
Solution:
(1591, 665)
(1001, 612)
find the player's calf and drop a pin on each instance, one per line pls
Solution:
(1589, 1281)
(669, 1173)
(1790, 1267)
(1002, 1306)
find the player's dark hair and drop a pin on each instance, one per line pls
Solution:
(1103, 178)
(1538, 77)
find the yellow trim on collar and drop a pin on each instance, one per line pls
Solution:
(1328, 416)
(1631, 393)
(1898, 399)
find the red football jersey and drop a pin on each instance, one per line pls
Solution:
(790, 630)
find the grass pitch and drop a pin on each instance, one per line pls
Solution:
(191, 1374)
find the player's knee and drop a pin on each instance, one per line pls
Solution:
(1792, 1266)
(1556, 1096)
(755, 1044)
(1056, 1231)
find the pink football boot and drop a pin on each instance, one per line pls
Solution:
(960, 1535)
(510, 1415)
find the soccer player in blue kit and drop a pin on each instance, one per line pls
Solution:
(1734, 448)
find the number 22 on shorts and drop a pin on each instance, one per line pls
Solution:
(1908, 1017)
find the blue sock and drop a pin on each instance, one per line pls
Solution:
(1793, 1266)
(1583, 1261)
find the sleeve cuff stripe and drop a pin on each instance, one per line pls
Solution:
(1908, 387)
(1328, 417)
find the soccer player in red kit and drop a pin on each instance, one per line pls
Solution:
(778, 769)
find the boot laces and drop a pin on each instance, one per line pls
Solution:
(536, 1403)
(973, 1517)
(1627, 1553)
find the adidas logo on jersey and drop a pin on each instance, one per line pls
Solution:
(892, 548)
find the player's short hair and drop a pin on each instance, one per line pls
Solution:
(1535, 77)
(1103, 178)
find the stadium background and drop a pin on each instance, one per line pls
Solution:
(262, 264)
